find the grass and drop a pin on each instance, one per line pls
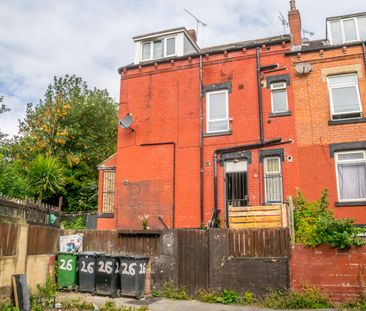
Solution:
(226, 297)
(171, 291)
(355, 305)
(309, 298)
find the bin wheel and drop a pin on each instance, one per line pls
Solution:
(119, 293)
(114, 294)
(93, 292)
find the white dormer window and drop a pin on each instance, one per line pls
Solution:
(158, 48)
(347, 30)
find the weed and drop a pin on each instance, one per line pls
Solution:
(309, 298)
(111, 306)
(230, 296)
(45, 296)
(172, 292)
(247, 298)
(208, 296)
(226, 297)
(355, 305)
(7, 307)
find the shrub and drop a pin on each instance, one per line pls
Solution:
(226, 297)
(172, 292)
(310, 298)
(315, 224)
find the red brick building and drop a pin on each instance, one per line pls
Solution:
(230, 125)
(330, 124)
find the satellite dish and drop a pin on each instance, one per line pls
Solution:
(303, 68)
(126, 121)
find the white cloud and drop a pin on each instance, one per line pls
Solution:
(40, 38)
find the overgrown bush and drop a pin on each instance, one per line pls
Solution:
(315, 224)
(310, 298)
(77, 224)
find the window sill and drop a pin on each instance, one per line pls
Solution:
(279, 114)
(226, 133)
(346, 121)
(356, 203)
(106, 215)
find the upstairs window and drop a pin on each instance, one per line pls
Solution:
(273, 180)
(279, 97)
(351, 175)
(347, 30)
(217, 111)
(158, 48)
(344, 96)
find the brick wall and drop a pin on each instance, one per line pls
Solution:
(312, 109)
(341, 274)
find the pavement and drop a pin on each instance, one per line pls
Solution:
(161, 304)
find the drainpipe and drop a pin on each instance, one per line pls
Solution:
(272, 142)
(201, 142)
(174, 164)
(364, 53)
(260, 101)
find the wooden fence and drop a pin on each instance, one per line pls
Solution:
(8, 238)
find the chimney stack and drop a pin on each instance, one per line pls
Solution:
(192, 34)
(294, 21)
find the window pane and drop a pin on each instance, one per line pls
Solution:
(170, 46)
(350, 156)
(272, 165)
(345, 99)
(349, 30)
(146, 49)
(335, 29)
(362, 27)
(218, 126)
(217, 107)
(352, 181)
(279, 101)
(158, 49)
(273, 186)
(342, 80)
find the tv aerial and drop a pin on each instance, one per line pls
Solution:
(283, 21)
(198, 21)
(126, 122)
(307, 32)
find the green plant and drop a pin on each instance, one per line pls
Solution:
(226, 297)
(230, 296)
(355, 305)
(78, 223)
(208, 296)
(4, 306)
(309, 298)
(45, 296)
(144, 219)
(247, 298)
(315, 224)
(172, 292)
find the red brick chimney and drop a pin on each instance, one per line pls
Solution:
(294, 21)
(192, 34)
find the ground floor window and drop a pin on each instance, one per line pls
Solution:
(351, 175)
(108, 191)
(273, 180)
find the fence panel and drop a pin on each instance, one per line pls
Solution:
(43, 240)
(8, 238)
(266, 242)
(193, 259)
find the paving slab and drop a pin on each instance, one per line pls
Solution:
(161, 304)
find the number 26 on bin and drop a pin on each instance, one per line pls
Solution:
(87, 268)
(131, 270)
(66, 265)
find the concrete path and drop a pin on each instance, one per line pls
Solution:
(158, 304)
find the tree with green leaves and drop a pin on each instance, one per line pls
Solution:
(78, 127)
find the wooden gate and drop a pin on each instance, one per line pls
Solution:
(193, 259)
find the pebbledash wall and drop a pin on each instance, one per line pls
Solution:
(158, 164)
(317, 136)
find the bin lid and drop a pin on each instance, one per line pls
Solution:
(89, 253)
(67, 254)
(133, 257)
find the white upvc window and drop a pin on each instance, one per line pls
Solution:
(217, 110)
(347, 30)
(273, 179)
(344, 96)
(351, 175)
(279, 100)
(158, 48)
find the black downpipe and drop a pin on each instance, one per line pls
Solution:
(201, 143)
(260, 101)
(174, 156)
(364, 53)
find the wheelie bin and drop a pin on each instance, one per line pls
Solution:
(107, 277)
(133, 275)
(87, 262)
(67, 276)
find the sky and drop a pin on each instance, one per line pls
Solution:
(40, 39)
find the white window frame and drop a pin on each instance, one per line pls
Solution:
(277, 173)
(273, 88)
(348, 161)
(164, 41)
(208, 120)
(340, 86)
(341, 21)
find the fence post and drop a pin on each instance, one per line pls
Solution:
(290, 218)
